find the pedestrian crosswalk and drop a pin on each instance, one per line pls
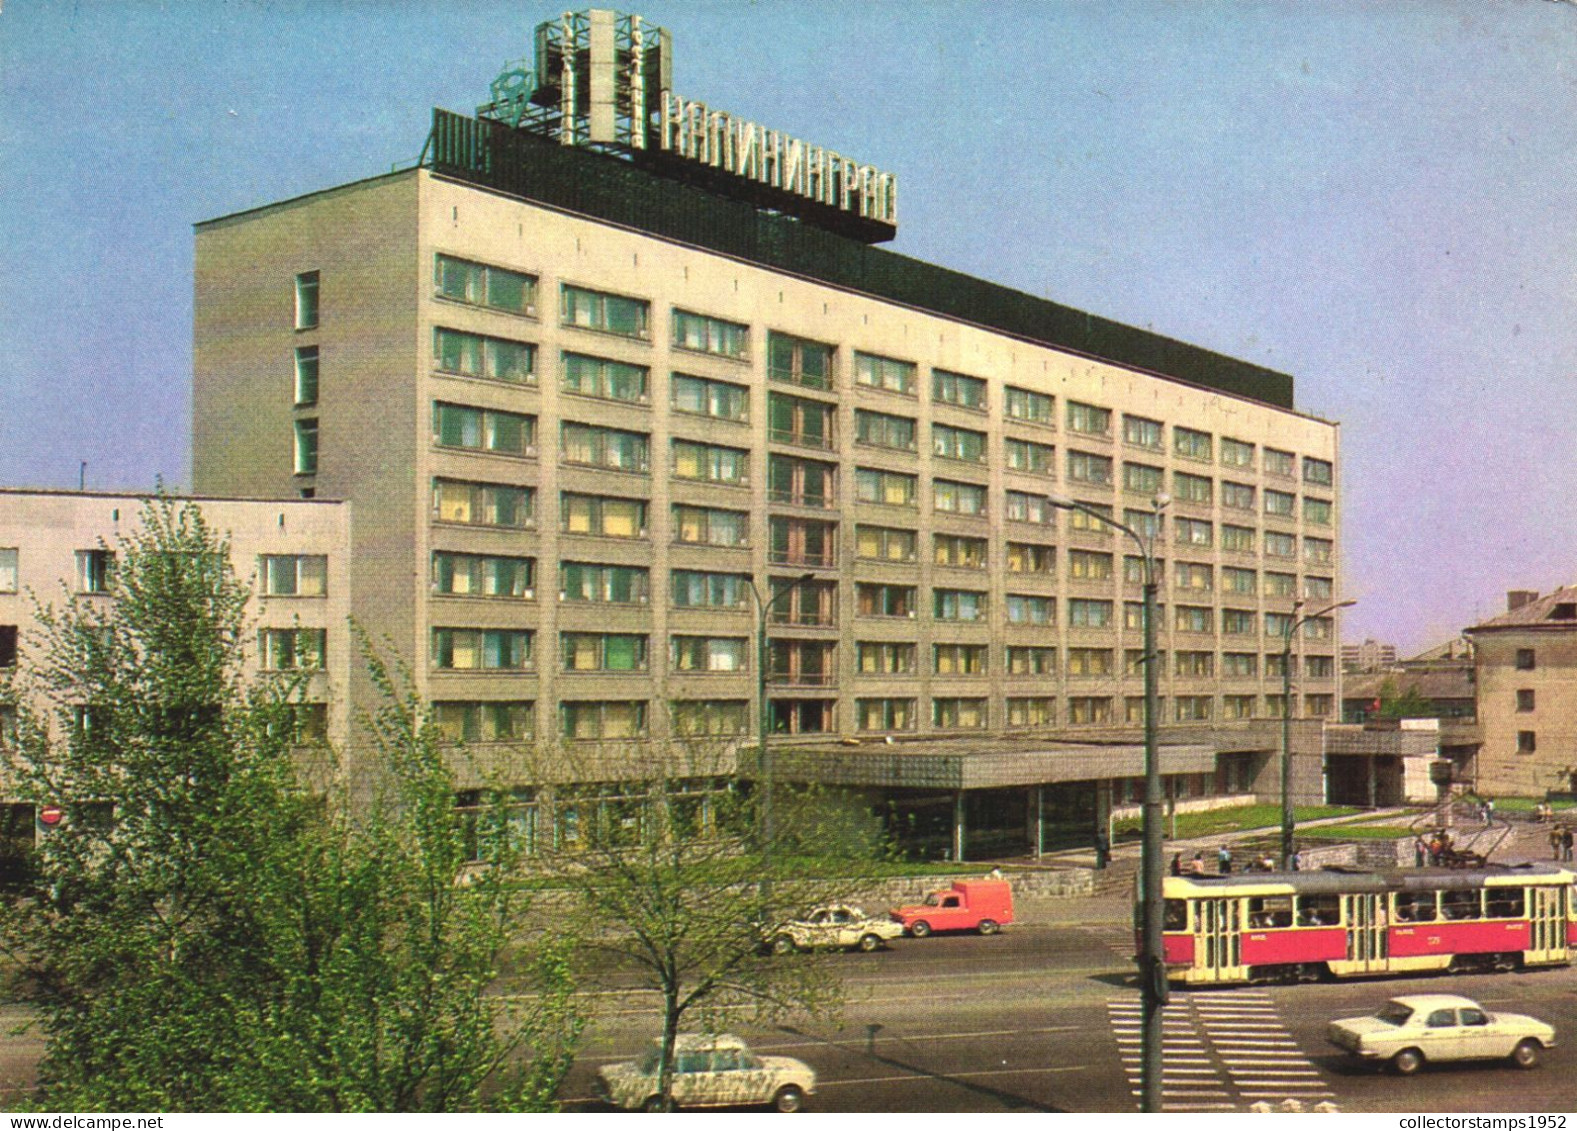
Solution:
(1220, 1051)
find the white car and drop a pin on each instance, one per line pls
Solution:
(835, 926)
(710, 1070)
(1409, 1032)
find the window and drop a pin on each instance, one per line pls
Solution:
(707, 653)
(1237, 539)
(1237, 706)
(1317, 511)
(1028, 457)
(710, 335)
(889, 488)
(879, 430)
(1278, 625)
(1281, 504)
(1318, 551)
(1191, 532)
(1235, 580)
(1089, 710)
(1089, 662)
(306, 376)
(1089, 419)
(1141, 432)
(958, 659)
(1194, 618)
(95, 571)
(959, 551)
(1085, 613)
(602, 515)
(1278, 462)
(1021, 404)
(1088, 565)
(596, 310)
(1028, 557)
(603, 651)
(698, 589)
(809, 605)
(794, 420)
(1237, 496)
(1319, 628)
(708, 526)
(802, 541)
(1021, 506)
(1194, 575)
(482, 649)
(1238, 622)
(958, 498)
(1318, 588)
(1192, 708)
(8, 648)
(1239, 665)
(1191, 444)
(480, 285)
(958, 714)
(801, 716)
(1524, 660)
(1026, 609)
(1133, 570)
(604, 379)
(306, 460)
(1527, 743)
(491, 359)
(484, 430)
(1278, 545)
(1080, 518)
(1142, 479)
(884, 714)
(958, 443)
(711, 463)
(1149, 525)
(696, 717)
(1319, 667)
(8, 569)
(483, 504)
(291, 649)
(1194, 665)
(602, 719)
(957, 389)
(1027, 660)
(799, 361)
(1317, 471)
(958, 604)
(886, 544)
(801, 482)
(802, 663)
(1236, 453)
(875, 372)
(306, 300)
(1133, 615)
(880, 657)
(1192, 488)
(1033, 711)
(597, 584)
(1084, 467)
(701, 397)
(1280, 584)
(293, 575)
(484, 720)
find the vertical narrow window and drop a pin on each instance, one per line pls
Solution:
(95, 571)
(8, 569)
(306, 300)
(307, 447)
(306, 375)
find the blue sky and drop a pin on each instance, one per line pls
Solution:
(1378, 198)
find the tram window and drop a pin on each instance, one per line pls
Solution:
(1270, 911)
(1415, 907)
(1460, 905)
(1174, 917)
(1319, 910)
(1503, 903)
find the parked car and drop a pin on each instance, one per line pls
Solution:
(710, 1070)
(837, 926)
(1409, 1032)
(969, 905)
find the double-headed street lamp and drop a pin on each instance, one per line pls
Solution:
(764, 759)
(1152, 966)
(1289, 630)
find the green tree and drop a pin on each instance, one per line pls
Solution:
(206, 932)
(1408, 704)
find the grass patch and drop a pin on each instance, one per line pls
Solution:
(1212, 822)
(1528, 804)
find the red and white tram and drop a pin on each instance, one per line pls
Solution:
(1286, 926)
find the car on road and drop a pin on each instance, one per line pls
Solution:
(969, 905)
(835, 926)
(1409, 1032)
(709, 1070)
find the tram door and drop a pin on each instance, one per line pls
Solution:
(1547, 923)
(1365, 919)
(1217, 949)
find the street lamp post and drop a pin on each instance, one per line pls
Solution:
(764, 758)
(1152, 965)
(1289, 630)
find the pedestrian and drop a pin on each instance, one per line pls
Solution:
(1420, 853)
(1103, 849)
(1224, 860)
(1489, 811)
(1434, 851)
(1566, 843)
(1297, 860)
(1177, 864)
(1196, 866)
(1555, 842)
(1267, 863)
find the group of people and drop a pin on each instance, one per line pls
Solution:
(1263, 863)
(1561, 842)
(1437, 850)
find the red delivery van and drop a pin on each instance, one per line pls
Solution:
(969, 905)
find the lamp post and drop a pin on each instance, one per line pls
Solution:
(764, 759)
(1289, 630)
(1152, 965)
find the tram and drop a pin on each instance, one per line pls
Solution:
(1305, 926)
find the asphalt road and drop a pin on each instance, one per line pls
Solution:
(1044, 1018)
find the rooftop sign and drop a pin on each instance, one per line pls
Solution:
(601, 80)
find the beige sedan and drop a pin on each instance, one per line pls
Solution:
(1409, 1032)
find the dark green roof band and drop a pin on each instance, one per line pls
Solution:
(492, 155)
